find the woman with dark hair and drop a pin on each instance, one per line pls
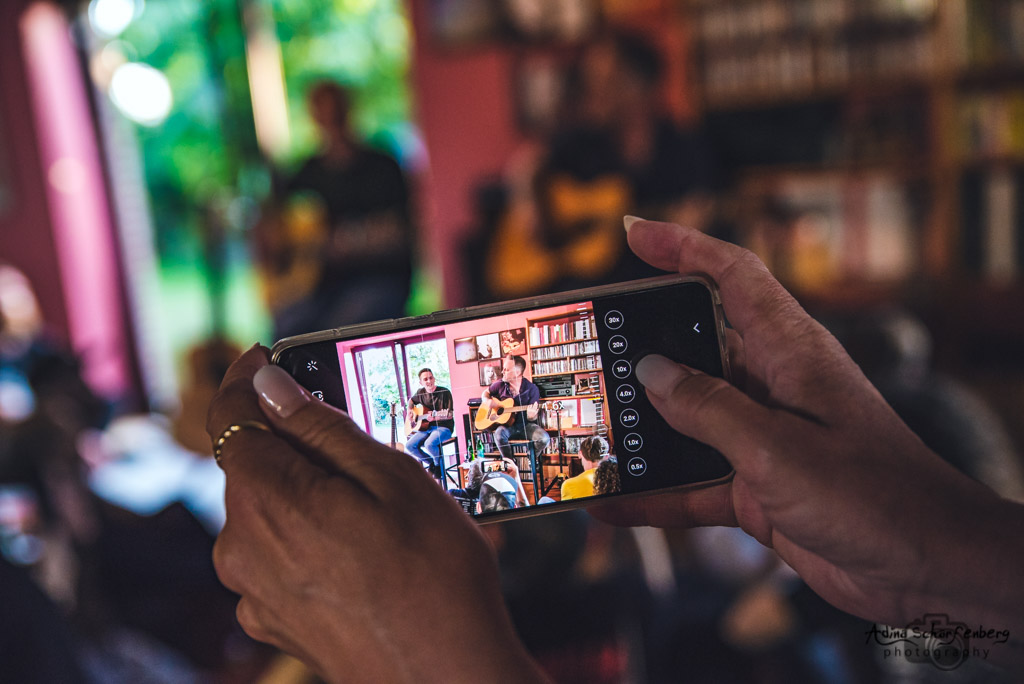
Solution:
(606, 477)
(593, 450)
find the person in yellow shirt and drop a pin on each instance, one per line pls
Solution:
(593, 450)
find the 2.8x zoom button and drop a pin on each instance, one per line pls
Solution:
(629, 418)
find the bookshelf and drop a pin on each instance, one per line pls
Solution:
(896, 135)
(821, 104)
(565, 362)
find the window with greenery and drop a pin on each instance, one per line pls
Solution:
(201, 162)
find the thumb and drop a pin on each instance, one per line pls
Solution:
(321, 431)
(708, 409)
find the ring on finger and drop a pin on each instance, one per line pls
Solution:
(231, 431)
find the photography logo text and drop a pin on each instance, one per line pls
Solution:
(935, 639)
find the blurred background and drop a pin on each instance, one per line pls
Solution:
(181, 179)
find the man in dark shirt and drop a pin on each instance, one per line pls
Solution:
(429, 422)
(355, 201)
(524, 394)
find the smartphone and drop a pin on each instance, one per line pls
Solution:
(493, 465)
(547, 381)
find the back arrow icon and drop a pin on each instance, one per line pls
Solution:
(696, 327)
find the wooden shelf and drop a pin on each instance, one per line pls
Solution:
(555, 344)
(568, 372)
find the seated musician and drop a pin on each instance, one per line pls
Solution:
(429, 422)
(525, 396)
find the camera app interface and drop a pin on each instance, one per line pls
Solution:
(531, 408)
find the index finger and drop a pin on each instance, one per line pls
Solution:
(751, 296)
(236, 399)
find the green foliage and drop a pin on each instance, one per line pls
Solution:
(203, 159)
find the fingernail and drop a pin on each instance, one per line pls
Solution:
(279, 391)
(658, 374)
(628, 221)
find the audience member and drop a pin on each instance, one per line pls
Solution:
(606, 476)
(593, 450)
(337, 244)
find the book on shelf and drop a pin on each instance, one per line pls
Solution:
(569, 365)
(992, 211)
(567, 331)
(560, 350)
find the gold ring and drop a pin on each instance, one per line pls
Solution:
(232, 430)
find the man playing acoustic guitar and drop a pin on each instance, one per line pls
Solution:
(520, 424)
(429, 422)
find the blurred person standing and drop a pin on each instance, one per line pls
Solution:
(613, 151)
(337, 244)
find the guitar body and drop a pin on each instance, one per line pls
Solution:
(292, 242)
(417, 422)
(420, 419)
(580, 235)
(502, 414)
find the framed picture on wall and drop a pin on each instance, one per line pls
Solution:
(490, 372)
(464, 23)
(465, 349)
(488, 347)
(513, 341)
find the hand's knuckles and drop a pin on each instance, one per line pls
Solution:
(224, 408)
(699, 397)
(229, 562)
(323, 429)
(252, 622)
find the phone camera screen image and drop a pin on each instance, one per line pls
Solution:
(537, 405)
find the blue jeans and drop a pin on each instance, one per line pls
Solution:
(426, 445)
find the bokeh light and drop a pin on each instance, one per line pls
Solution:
(142, 93)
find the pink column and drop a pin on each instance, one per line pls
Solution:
(76, 196)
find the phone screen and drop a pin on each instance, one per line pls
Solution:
(549, 389)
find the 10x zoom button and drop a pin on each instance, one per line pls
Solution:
(621, 369)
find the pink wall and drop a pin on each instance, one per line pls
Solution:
(26, 238)
(465, 110)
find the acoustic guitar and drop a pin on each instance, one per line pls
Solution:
(503, 413)
(419, 418)
(582, 222)
(394, 429)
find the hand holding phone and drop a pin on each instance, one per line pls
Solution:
(826, 473)
(529, 381)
